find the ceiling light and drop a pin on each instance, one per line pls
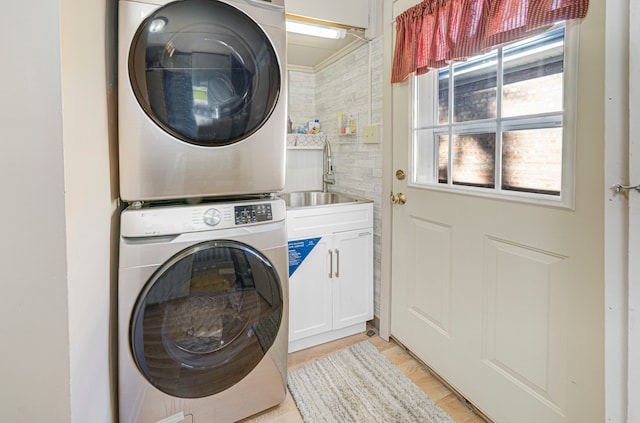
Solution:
(315, 30)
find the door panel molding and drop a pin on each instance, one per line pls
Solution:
(430, 300)
(526, 291)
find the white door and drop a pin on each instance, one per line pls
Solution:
(505, 299)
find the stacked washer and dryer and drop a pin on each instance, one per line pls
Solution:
(202, 284)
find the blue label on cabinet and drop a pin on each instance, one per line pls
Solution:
(298, 251)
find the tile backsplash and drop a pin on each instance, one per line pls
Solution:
(302, 98)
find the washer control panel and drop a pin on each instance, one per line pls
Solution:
(170, 220)
(253, 213)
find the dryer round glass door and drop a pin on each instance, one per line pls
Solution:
(204, 71)
(206, 318)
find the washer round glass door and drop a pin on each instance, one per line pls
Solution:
(204, 71)
(206, 318)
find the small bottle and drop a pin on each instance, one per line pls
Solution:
(352, 125)
(340, 125)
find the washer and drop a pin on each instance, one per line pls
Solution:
(202, 309)
(201, 98)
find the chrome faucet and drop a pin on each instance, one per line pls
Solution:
(327, 167)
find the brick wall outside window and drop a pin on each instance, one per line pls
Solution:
(532, 160)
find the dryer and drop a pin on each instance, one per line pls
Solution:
(201, 98)
(202, 310)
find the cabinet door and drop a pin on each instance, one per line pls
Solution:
(352, 278)
(310, 290)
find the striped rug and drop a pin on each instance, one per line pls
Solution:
(360, 385)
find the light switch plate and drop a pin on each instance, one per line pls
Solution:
(370, 134)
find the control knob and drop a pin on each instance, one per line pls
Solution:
(212, 217)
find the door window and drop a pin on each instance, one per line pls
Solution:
(206, 318)
(497, 123)
(204, 71)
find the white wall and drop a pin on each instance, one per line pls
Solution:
(88, 43)
(58, 212)
(34, 358)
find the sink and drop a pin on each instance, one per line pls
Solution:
(317, 198)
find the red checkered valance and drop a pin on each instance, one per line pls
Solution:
(435, 32)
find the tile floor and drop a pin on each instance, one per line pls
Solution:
(440, 394)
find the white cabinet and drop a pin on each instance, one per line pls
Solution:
(353, 277)
(330, 273)
(310, 290)
(351, 12)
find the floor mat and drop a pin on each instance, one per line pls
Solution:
(361, 385)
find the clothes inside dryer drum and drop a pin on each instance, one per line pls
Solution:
(206, 318)
(200, 79)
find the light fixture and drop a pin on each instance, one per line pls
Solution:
(315, 30)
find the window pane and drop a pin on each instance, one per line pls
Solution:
(443, 96)
(474, 159)
(533, 73)
(443, 158)
(424, 157)
(475, 89)
(532, 160)
(425, 102)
